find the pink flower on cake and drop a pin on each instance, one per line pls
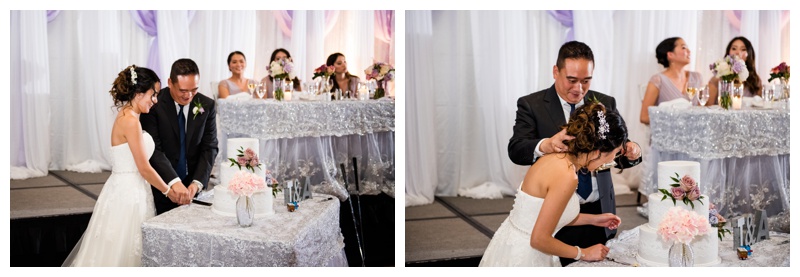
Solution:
(685, 189)
(678, 193)
(682, 225)
(246, 158)
(693, 194)
(687, 183)
(245, 183)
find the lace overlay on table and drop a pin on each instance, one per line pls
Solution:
(194, 236)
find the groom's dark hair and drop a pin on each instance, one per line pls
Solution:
(574, 50)
(183, 67)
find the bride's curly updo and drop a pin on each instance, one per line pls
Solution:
(130, 81)
(584, 124)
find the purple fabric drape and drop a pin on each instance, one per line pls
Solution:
(147, 21)
(384, 25)
(284, 19)
(52, 15)
(735, 19)
(565, 18)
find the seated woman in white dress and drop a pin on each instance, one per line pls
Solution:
(547, 201)
(237, 83)
(739, 46)
(674, 55)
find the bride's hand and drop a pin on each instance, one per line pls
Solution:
(594, 253)
(607, 220)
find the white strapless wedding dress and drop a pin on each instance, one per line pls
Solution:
(511, 244)
(114, 234)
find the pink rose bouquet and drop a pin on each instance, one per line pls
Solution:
(323, 71)
(245, 183)
(781, 71)
(685, 189)
(682, 226)
(246, 158)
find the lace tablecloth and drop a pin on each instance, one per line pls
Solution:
(300, 139)
(743, 154)
(769, 253)
(270, 119)
(193, 235)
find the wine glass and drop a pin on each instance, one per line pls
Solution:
(251, 86)
(261, 89)
(691, 91)
(702, 96)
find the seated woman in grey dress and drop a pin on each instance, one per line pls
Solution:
(342, 78)
(277, 55)
(739, 46)
(237, 83)
(674, 55)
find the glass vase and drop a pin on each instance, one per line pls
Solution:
(245, 211)
(784, 88)
(380, 91)
(681, 255)
(725, 94)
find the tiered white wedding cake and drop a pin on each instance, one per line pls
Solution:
(653, 250)
(224, 199)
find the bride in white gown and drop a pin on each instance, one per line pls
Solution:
(546, 200)
(114, 234)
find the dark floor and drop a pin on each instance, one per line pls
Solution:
(454, 231)
(49, 214)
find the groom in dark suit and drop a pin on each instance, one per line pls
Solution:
(183, 126)
(537, 131)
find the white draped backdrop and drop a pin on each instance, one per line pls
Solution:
(466, 70)
(62, 67)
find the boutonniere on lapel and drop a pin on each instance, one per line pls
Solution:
(198, 109)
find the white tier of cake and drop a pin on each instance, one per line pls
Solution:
(653, 250)
(224, 200)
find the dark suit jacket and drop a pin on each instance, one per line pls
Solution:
(540, 116)
(201, 142)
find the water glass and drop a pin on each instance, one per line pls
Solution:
(702, 96)
(768, 93)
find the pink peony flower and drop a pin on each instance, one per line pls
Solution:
(682, 225)
(687, 183)
(254, 162)
(242, 161)
(693, 194)
(678, 193)
(245, 183)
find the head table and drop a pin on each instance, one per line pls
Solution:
(193, 235)
(743, 154)
(309, 140)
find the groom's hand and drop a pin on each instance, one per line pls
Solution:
(192, 190)
(556, 143)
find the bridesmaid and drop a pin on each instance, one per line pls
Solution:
(739, 46)
(674, 55)
(343, 79)
(237, 83)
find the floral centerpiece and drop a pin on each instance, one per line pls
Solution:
(272, 183)
(323, 71)
(279, 70)
(730, 69)
(685, 189)
(382, 73)
(246, 183)
(716, 220)
(781, 72)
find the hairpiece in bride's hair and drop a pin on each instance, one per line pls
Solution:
(602, 130)
(133, 74)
